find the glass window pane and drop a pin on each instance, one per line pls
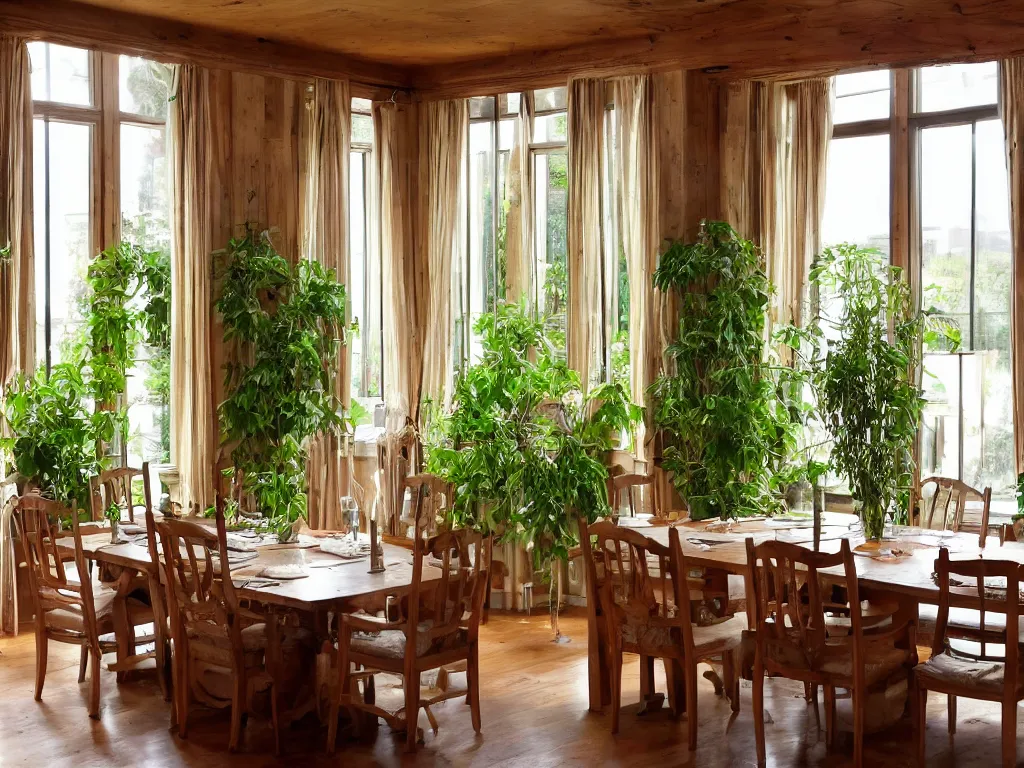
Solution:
(992, 259)
(145, 87)
(940, 422)
(549, 128)
(145, 221)
(509, 103)
(955, 86)
(550, 99)
(362, 106)
(481, 220)
(857, 192)
(481, 108)
(68, 240)
(946, 223)
(551, 190)
(362, 129)
(862, 96)
(60, 74)
(39, 234)
(357, 265)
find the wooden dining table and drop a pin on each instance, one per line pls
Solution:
(332, 584)
(894, 576)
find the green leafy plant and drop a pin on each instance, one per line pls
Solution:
(724, 422)
(864, 374)
(523, 446)
(287, 322)
(56, 432)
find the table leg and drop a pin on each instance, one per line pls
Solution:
(123, 629)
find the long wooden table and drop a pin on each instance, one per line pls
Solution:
(908, 577)
(332, 584)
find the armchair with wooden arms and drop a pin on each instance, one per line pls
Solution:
(114, 487)
(214, 635)
(67, 610)
(969, 512)
(438, 627)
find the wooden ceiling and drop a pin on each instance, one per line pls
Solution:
(462, 47)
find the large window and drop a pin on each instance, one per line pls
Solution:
(960, 244)
(100, 175)
(364, 284)
(478, 272)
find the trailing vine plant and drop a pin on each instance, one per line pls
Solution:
(287, 322)
(724, 422)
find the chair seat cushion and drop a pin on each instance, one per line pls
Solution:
(950, 669)
(963, 619)
(218, 651)
(390, 643)
(835, 657)
(711, 639)
(723, 636)
(71, 619)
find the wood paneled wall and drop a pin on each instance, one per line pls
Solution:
(257, 171)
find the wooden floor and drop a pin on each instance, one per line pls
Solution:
(534, 695)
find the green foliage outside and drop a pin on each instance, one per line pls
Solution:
(287, 323)
(864, 376)
(522, 445)
(61, 421)
(723, 418)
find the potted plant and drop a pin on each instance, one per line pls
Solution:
(723, 423)
(522, 444)
(287, 323)
(864, 374)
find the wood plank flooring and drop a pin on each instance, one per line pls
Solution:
(534, 699)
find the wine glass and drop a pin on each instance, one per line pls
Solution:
(350, 513)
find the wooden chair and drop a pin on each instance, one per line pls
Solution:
(792, 608)
(648, 613)
(67, 610)
(990, 674)
(430, 496)
(438, 628)
(936, 513)
(114, 486)
(630, 483)
(213, 634)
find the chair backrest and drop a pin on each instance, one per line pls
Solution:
(36, 520)
(455, 602)
(946, 508)
(789, 607)
(430, 496)
(201, 599)
(991, 598)
(632, 592)
(397, 457)
(114, 487)
(630, 483)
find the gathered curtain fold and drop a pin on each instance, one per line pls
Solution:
(584, 313)
(17, 272)
(519, 232)
(1011, 83)
(636, 167)
(325, 234)
(193, 426)
(443, 128)
(793, 126)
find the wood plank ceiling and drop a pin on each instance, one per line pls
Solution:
(459, 47)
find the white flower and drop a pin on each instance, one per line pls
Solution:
(618, 348)
(573, 398)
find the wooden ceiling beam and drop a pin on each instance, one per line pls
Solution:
(765, 39)
(85, 26)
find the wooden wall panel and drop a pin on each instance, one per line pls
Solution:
(669, 109)
(255, 123)
(702, 151)
(736, 156)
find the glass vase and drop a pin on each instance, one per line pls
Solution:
(873, 519)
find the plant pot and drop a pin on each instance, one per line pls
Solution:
(873, 518)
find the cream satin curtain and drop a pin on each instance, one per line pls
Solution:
(519, 231)
(193, 422)
(584, 321)
(443, 127)
(637, 171)
(325, 233)
(17, 270)
(1011, 79)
